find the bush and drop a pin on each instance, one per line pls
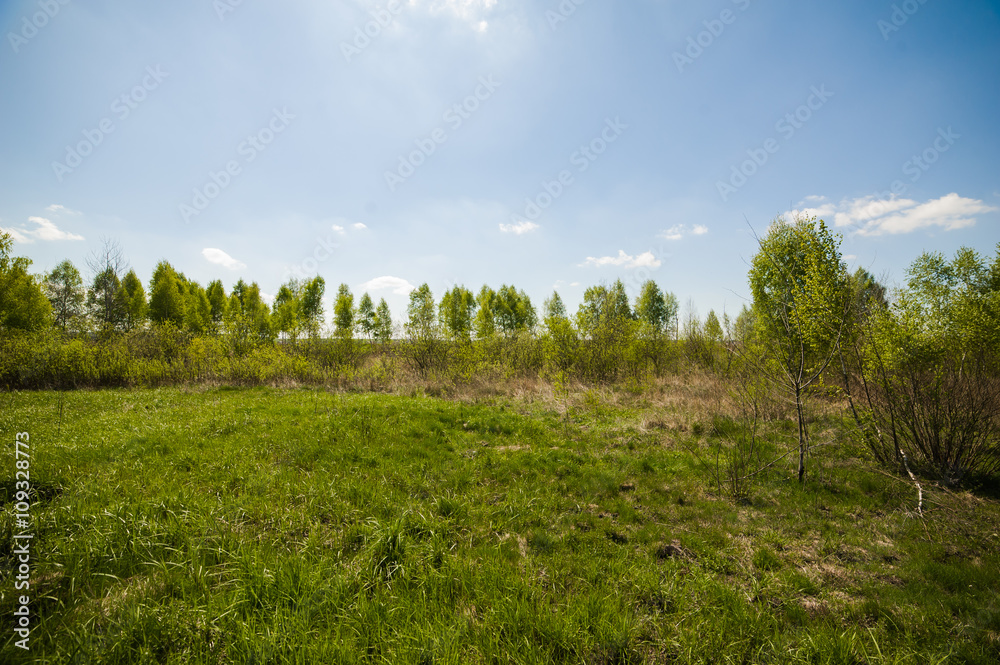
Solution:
(928, 370)
(939, 407)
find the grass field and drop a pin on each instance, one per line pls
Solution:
(301, 526)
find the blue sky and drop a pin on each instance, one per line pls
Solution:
(543, 143)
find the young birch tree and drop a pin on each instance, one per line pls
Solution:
(800, 298)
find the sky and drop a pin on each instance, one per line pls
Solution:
(548, 144)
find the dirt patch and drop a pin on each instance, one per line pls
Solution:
(617, 537)
(510, 449)
(672, 550)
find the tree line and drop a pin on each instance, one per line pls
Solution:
(918, 365)
(116, 301)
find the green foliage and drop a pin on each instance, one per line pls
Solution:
(560, 341)
(929, 369)
(925, 368)
(745, 324)
(456, 312)
(311, 305)
(367, 319)
(656, 309)
(867, 293)
(954, 301)
(248, 319)
(383, 322)
(801, 300)
(285, 315)
(108, 302)
(710, 341)
(219, 303)
(603, 308)
(298, 308)
(554, 310)
(197, 310)
(23, 305)
(610, 332)
(344, 313)
(713, 329)
(485, 322)
(424, 348)
(561, 345)
(421, 323)
(800, 291)
(136, 307)
(64, 289)
(513, 312)
(167, 296)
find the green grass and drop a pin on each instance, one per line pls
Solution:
(264, 525)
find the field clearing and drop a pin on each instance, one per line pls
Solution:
(292, 525)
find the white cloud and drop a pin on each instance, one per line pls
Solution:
(397, 285)
(644, 260)
(871, 216)
(520, 228)
(470, 10)
(473, 13)
(55, 207)
(340, 226)
(219, 257)
(45, 230)
(16, 235)
(679, 231)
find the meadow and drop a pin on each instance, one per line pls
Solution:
(541, 524)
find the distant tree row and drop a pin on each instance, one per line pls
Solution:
(116, 301)
(509, 312)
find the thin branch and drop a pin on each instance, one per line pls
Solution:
(920, 491)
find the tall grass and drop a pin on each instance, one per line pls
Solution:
(164, 356)
(261, 525)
